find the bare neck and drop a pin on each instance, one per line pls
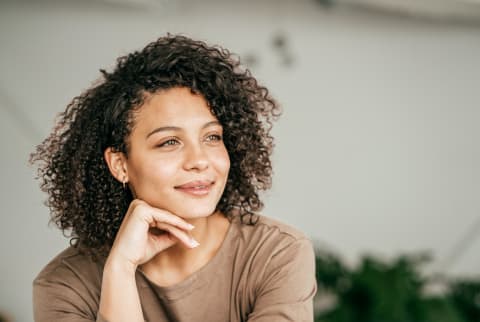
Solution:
(176, 263)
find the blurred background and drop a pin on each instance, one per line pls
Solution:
(377, 152)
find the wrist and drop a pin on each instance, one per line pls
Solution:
(117, 265)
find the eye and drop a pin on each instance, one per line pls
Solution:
(168, 142)
(214, 137)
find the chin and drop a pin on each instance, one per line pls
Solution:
(195, 210)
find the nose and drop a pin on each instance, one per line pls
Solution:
(196, 158)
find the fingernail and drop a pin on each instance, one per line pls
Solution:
(193, 242)
(190, 226)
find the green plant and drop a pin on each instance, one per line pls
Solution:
(389, 291)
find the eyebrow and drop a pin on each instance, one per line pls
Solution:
(176, 128)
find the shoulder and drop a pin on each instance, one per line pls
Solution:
(70, 282)
(279, 261)
(268, 224)
(271, 232)
(70, 264)
(269, 240)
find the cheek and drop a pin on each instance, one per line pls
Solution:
(222, 162)
(164, 171)
(154, 175)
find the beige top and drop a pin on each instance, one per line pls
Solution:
(264, 272)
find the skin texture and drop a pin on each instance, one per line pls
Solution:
(87, 202)
(176, 141)
(101, 142)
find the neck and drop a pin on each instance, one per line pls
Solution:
(178, 262)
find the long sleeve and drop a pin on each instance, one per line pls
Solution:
(288, 286)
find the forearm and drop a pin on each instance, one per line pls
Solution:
(119, 300)
(134, 245)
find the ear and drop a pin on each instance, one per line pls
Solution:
(117, 164)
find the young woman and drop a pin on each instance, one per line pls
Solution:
(155, 171)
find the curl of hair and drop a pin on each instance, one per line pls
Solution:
(87, 203)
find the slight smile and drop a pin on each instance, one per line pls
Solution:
(196, 188)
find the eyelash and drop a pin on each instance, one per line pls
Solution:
(168, 143)
(217, 137)
(173, 141)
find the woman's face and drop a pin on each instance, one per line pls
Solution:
(177, 160)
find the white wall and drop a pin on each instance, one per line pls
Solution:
(377, 150)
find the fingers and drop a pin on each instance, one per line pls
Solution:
(179, 234)
(136, 242)
(163, 216)
(162, 241)
(152, 214)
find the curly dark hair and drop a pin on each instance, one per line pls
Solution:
(87, 203)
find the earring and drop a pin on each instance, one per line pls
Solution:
(124, 181)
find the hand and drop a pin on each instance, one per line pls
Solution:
(145, 231)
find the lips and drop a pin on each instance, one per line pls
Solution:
(196, 188)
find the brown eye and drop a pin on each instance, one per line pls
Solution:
(169, 142)
(214, 137)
